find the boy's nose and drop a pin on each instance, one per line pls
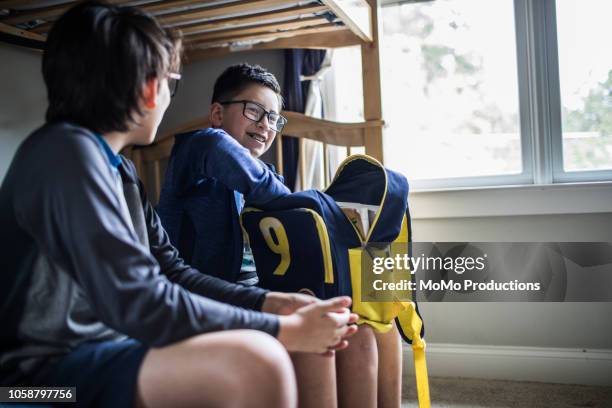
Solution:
(264, 123)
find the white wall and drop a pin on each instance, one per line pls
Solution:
(550, 342)
(524, 324)
(23, 99)
(574, 325)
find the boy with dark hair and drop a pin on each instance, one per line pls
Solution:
(211, 173)
(92, 293)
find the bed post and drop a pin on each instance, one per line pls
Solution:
(372, 101)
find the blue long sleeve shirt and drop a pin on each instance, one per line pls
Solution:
(198, 204)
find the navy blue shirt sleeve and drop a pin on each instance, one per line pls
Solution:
(214, 153)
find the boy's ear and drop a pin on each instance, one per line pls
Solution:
(149, 93)
(216, 114)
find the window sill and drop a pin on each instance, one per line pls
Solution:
(500, 201)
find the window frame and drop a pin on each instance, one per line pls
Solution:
(559, 175)
(539, 96)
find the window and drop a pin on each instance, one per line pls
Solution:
(585, 74)
(450, 91)
(503, 92)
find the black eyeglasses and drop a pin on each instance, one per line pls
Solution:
(173, 82)
(256, 112)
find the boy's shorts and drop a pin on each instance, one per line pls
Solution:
(104, 373)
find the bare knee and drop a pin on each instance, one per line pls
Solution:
(268, 372)
(241, 368)
(361, 355)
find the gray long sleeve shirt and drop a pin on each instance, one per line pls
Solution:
(84, 257)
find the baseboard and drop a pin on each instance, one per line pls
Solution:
(540, 364)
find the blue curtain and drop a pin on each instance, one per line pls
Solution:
(297, 62)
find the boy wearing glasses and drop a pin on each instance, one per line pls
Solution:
(212, 172)
(210, 175)
(92, 293)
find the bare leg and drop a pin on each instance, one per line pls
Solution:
(389, 368)
(316, 379)
(241, 368)
(357, 370)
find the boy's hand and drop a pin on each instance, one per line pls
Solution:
(286, 303)
(319, 327)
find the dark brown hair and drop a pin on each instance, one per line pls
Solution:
(237, 77)
(97, 59)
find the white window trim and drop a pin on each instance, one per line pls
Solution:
(539, 111)
(550, 84)
(503, 201)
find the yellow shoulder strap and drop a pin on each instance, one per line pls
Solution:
(411, 324)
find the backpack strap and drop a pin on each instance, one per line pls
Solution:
(411, 328)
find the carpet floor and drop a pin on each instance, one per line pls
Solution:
(475, 393)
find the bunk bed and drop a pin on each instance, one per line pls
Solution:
(214, 28)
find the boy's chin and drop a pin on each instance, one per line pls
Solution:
(142, 135)
(257, 151)
(144, 140)
(148, 137)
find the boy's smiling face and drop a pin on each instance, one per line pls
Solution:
(257, 137)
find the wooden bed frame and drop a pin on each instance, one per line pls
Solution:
(214, 28)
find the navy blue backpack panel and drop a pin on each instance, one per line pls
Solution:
(284, 261)
(315, 248)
